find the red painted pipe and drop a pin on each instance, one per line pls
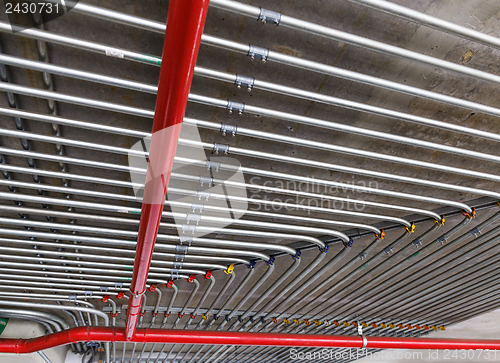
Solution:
(185, 22)
(86, 334)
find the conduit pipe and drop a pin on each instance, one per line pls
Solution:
(88, 334)
(185, 22)
(264, 188)
(429, 20)
(151, 25)
(267, 86)
(311, 28)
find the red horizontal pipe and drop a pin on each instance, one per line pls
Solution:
(86, 334)
(185, 22)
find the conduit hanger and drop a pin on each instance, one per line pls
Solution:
(228, 129)
(237, 106)
(243, 81)
(258, 52)
(471, 215)
(411, 229)
(440, 222)
(381, 235)
(270, 16)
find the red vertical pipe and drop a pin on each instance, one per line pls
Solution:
(185, 22)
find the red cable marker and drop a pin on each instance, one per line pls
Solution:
(185, 22)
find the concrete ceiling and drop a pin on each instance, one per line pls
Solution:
(408, 262)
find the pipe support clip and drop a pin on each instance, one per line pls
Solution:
(269, 16)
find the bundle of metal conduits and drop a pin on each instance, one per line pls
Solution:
(325, 181)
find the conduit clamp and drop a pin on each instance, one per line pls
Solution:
(113, 315)
(388, 251)
(243, 81)
(400, 326)
(206, 180)
(174, 274)
(230, 269)
(208, 275)
(297, 255)
(120, 295)
(205, 317)
(142, 313)
(170, 283)
(221, 148)
(196, 207)
(381, 235)
(360, 333)
(326, 322)
(441, 240)
(203, 195)
(270, 262)
(411, 229)
(374, 325)
(392, 326)
(440, 222)
(382, 325)
(346, 323)
(362, 256)
(227, 318)
(325, 250)
(409, 326)
(105, 298)
(235, 106)
(153, 314)
(188, 228)
(118, 285)
(240, 318)
(418, 327)
(258, 52)
(152, 288)
(251, 319)
(72, 297)
(336, 323)
(166, 315)
(177, 265)
(317, 322)
(213, 165)
(296, 321)
(228, 129)
(442, 327)
(286, 321)
(180, 316)
(475, 232)
(191, 278)
(270, 16)
(307, 322)
(417, 243)
(195, 218)
(192, 316)
(471, 215)
(364, 325)
(262, 320)
(103, 288)
(183, 239)
(216, 317)
(251, 265)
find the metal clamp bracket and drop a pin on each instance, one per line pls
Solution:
(181, 252)
(118, 285)
(269, 16)
(441, 240)
(235, 106)
(388, 251)
(213, 165)
(103, 288)
(206, 180)
(177, 265)
(362, 256)
(196, 218)
(197, 207)
(174, 274)
(188, 228)
(228, 129)
(243, 81)
(475, 232)
(179, 257)
(258, 52)
(221, 148)
(360, 333)
(182, 239)
(203, 195)
(417, 243)
(72, 297)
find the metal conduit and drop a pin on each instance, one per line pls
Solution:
(431, 21)
(123, 83)
(297, 24)
(151, 25)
